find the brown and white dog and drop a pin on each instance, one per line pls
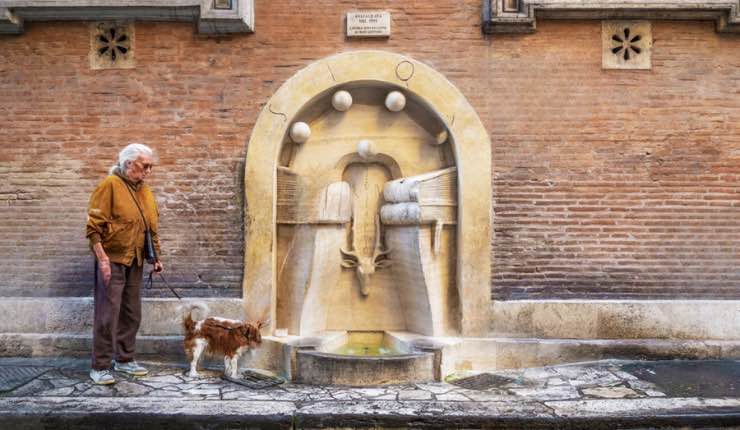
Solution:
(214, 335)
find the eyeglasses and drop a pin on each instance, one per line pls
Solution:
(145, 166)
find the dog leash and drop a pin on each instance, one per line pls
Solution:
(150, 283)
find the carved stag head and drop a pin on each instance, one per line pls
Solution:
(365, 265)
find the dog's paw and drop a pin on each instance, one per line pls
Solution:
(192, 375)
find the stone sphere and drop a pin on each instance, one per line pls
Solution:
(300, 132)
(395, 101)
(365, 149)
(341, 100)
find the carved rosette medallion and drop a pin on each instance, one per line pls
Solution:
(626, 45)
(111, 46)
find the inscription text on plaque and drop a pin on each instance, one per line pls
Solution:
(368, 24)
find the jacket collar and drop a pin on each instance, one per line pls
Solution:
(127, 181)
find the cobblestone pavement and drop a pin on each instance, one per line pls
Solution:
(588, 395)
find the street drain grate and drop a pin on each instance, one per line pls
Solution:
(255, 380)
(484, 381)
(13, 377)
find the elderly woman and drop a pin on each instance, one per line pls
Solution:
(121, 210)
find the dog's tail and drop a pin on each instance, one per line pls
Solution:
(200, 310)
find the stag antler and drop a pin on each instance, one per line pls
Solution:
(349, 259)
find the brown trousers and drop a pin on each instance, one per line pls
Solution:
(117, 315)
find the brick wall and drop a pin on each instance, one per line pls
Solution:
(617, 183)
(606, 183)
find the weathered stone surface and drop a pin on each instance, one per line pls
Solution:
(452, 397)
(523, 17)
(441, 99)
(323, 368)
(588, 376)
(618, 319)
(238, 19)
(530, 403)
(390, 414)
(558, 392)
(9, 22)
(131, 389)
(626, 45)
(610, 392)
(406, 395)
(116, 412)
(56, 392)
(164, 379)
(32, 387)
(489, 395)
(508, 353)
(641, 406)
(73, 315)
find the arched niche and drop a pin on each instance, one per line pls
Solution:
(427, 90)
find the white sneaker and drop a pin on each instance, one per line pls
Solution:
(132, 368)
(102, 377)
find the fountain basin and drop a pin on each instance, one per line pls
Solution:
(361, 359)
(366, 344)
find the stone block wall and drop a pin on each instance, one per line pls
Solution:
(607, 184)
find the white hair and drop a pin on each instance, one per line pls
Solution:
(130, 153)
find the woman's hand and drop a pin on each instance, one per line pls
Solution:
(105, 270)
(103, 262)
(158, 267)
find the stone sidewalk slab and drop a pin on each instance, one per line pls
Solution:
(126, 413)
(599, 395)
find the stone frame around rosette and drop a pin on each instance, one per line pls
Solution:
(472, 151)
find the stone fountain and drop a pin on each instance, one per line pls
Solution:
(363, 276)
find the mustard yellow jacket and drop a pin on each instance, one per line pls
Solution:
(114, 219)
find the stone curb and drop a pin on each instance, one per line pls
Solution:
(513, 415)
(128, 413)
(125, 413)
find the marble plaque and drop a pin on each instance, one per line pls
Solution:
(372, 23)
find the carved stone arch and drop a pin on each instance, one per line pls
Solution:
(383, 159)
(471, 149)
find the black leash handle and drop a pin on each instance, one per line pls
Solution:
(150, 283)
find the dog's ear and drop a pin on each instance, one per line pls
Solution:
(263, 323)
(251, 333)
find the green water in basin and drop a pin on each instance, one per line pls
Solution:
(368, 344)
(368, 351)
